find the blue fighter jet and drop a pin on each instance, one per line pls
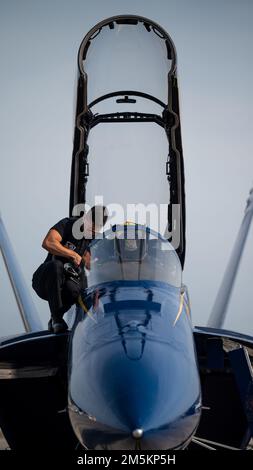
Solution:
(131, 372)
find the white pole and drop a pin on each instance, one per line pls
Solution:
(26, 307)
(219, 310)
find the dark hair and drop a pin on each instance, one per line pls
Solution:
(96, 212)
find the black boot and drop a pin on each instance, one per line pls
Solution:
(57, 325)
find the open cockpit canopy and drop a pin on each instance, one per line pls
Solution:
(127, 75)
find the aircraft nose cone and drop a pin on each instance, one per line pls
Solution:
(137, 396)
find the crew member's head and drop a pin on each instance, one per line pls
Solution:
(94, 221)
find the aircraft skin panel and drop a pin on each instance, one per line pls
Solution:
(229, 334)
(225, 418)
(33, 405)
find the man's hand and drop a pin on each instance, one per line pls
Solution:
(76, 258)
(86, 260)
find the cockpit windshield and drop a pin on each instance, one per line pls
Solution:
(132, 253)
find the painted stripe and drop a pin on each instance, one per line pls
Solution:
(85, 309)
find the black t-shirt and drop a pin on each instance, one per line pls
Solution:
(64, 228)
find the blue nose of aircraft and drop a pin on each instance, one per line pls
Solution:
(133, 374)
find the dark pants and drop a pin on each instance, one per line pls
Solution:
(51, 283)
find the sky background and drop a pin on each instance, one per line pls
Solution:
(39, 41)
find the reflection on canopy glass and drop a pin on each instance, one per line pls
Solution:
(133, 255)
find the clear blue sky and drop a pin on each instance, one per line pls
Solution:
(38, 48)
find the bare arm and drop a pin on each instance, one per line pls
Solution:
(52, 243)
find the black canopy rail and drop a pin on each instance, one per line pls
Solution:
(127, 93)
(127, 117)
(169, 120)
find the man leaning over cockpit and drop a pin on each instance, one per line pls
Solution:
(61, 277)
